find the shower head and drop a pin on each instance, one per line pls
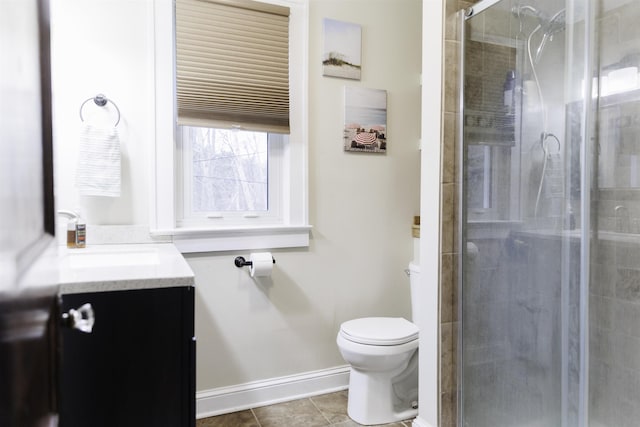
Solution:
(551, 27)
(556, 23)
(551, 24)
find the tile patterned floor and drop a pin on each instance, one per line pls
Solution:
(318, 411)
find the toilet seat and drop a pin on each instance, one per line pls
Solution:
(383, 331)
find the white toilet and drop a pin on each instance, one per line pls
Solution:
(383, 354)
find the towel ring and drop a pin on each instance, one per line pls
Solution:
(100, 100)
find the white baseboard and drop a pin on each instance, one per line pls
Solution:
(224, 400)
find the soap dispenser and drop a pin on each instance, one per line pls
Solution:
(72, 227)
(72, 233)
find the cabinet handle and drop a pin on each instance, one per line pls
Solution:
(81, 318)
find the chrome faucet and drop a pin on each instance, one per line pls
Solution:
(68, 214)
(622, 219)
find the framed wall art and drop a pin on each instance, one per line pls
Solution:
(365, 120)
(342, 55)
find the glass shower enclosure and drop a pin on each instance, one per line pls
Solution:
(549, 214)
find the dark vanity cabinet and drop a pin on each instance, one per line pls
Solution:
(137, 366)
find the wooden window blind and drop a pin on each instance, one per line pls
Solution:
(232, 64)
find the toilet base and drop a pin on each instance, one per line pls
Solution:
(373, 399)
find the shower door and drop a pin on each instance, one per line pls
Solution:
(527, 168)
(549, 271)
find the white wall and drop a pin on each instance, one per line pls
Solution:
(103, 46)
(361, 206)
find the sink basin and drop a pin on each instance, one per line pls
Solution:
(88, 259)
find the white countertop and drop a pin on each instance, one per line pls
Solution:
(104, 268)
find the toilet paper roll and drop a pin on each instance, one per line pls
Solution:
(261, 264)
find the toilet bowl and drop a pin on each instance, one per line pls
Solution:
(383, 355)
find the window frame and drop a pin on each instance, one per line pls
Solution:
(292, 228)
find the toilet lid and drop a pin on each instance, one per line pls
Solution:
(379, 330)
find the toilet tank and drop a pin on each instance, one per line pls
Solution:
(414, 282)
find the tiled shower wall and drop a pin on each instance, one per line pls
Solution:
(449, 225)
(449, 190)
(614, 304)
(614, 300)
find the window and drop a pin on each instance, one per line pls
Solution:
(230, 167)
(229, 170)
(230, 176)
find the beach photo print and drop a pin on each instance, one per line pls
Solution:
(365, 120)
(342, 49)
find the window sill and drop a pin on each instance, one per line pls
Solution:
(192, 240)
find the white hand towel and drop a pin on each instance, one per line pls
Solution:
(98, 171)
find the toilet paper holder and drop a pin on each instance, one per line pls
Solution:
(240, 261)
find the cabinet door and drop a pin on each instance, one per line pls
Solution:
(137, 366)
